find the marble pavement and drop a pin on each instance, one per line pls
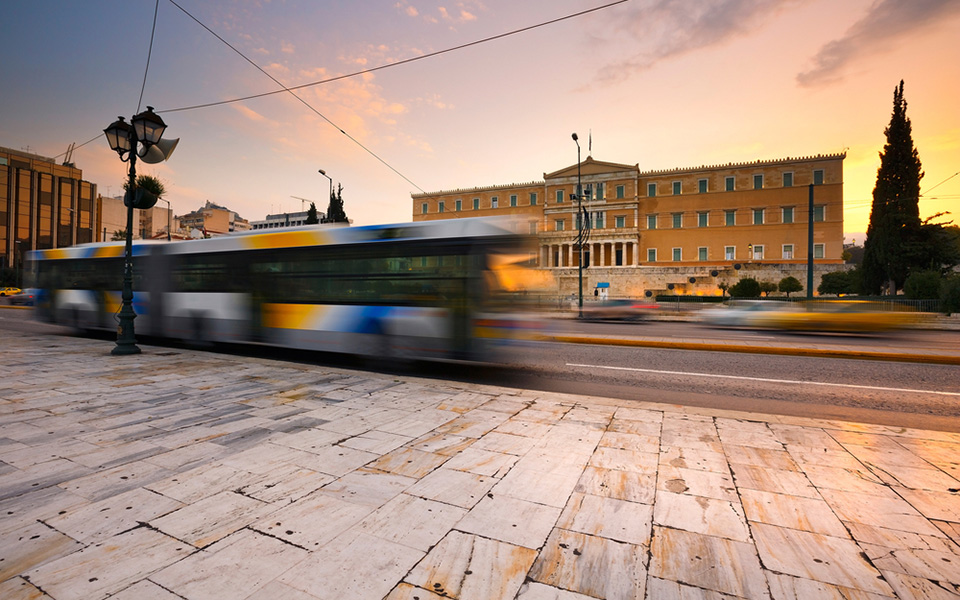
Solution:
(183, 474)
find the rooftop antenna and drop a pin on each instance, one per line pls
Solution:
(68, 159)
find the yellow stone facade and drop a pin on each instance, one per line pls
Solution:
(658, 230)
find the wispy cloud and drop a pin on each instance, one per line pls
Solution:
(886, 22)
(665, 29)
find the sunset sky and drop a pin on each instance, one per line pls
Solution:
(662, 83)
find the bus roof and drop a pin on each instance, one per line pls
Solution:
(307, 235)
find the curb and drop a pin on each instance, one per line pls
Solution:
(745, 349)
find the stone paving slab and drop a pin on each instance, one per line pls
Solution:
(181, 474)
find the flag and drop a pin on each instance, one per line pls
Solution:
(590, 142)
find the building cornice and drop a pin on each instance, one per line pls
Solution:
(635, 168)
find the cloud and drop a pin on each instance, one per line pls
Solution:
(250, 113)
(886, 22)
(286, 48)
(665, 29)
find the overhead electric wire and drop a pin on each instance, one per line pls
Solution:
(941, 183)
(153, 32)
(388, 65)
(301, 100)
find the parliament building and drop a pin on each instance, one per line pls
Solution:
(676, 231)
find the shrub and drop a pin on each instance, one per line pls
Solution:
(950, 294)
(747, 287)
(922, 285)
(789, 285)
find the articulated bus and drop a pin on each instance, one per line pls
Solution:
(446, 289)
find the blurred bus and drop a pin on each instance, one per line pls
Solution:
(442, 289)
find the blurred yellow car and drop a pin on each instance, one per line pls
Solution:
(9, 291)
(845, 316)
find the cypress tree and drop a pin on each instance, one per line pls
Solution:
(894, 242)
(335, 212)
(312, 217)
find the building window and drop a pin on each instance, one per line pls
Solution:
(533, 227)
(702, 186)
(729, 252)
(788, 251)
(758, 216)
(513, 200)
(788, 214)
(677, 220)
(459, 205)
(559, 196)
(494, 202)
(476, 204)
(621, 190)
(758, 182)
(651, 221)
(818, 177)
(818, 213)
(818, 250)
(423, 208)
(533, 198)
(730, 218)
(702, 253)
(651, 189)
(558, 225)
(677, 255)
(440, 206)
(756, 251)
(598, 220)
(728, 183)
(600, 191)
(676, 188)
(621, 222)
(651, 255)
(788, 179)
(702, 219)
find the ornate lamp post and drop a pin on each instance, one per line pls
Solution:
(147, 130)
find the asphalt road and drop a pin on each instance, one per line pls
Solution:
(889, 393)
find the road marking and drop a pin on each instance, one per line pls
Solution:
(766, 380)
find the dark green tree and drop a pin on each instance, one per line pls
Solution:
(335, 212)
(312, 217)
(766, 287)
(894, 244)
(118, 235)
(790, 284)
(747, 287)
(839, 282)
(922, 285)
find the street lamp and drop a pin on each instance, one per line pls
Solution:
(169, 212)
(147, 129)
(324, 173)
(582, 231)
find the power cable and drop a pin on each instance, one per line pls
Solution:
(941, 183)
(153, 31)
(388, 65)
(301, 100)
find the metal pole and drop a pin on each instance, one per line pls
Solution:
(810, 247)
(126, 338)
(580, 232)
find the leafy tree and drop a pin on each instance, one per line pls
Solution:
(119, 235)
(723, 285)
(894, 244)
(335, 212)
(839, 282)
(950, 294)
(922, 285)
(747, 287)
(790, 284)
(312, 217)
(766, 287)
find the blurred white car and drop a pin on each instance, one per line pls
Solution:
(743, 313)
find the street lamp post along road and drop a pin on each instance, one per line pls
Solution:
(583, 230)
(147, 129)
